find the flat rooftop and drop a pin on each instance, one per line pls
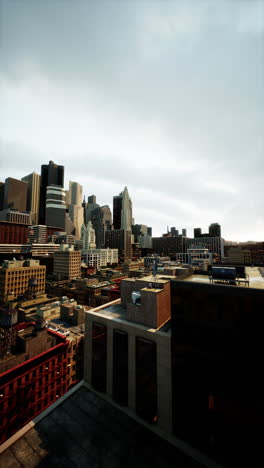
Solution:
(87, 431)
(118, 312)
(256, 280)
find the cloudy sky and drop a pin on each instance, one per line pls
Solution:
(164, 97)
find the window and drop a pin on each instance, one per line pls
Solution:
(120, 367)
(99, 356)
(146, 380)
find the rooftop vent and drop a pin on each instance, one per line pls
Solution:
(136, 297)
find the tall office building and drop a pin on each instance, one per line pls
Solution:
(51, 174)
(197, 232)
(120, 239)
(102, 222)
(139, 230)
(55, 207)
(2, 191)
(89, 207)
(15, 194)
(33, 193)
(75, 193)
(122, 211)
(75, 207)
(214, 230)
(88, 237)
(184, 232)
(92, 199)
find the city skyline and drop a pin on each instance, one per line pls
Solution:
(165, 99)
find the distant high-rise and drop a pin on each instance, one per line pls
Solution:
(92, 199)
(89, 207)
(102, 222)
(120, 239)
(75, 207)
(51, 174)
(197, 232)
(75, 191)
(214, 230)
(88, 237)
(33, 193)
(55, 207)
(184, 232)
(15, 194)
(2, 191)
(149, 231)
(117, 209)
(122, 211)
(174, 232)
(139, 230)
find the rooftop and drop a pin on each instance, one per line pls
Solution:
(256, 280)
(85, 430)
(116, 311)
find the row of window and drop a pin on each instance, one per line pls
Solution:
(146, 370)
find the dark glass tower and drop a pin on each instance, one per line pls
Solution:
(51, 174)
(214, 230)
(117, 210)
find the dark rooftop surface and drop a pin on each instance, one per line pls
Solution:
(86, 431)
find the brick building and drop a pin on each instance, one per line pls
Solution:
(13, 233)
(34, 384)
(18, 277)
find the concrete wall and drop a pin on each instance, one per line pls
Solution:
(163, 343)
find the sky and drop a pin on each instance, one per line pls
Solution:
(164, 97)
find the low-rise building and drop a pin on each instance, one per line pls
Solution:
(19, 277)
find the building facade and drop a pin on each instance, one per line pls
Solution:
(67, 263)
(55, 207)
(15, 194)
(33, 194)
(16, 278)
(13, 233)
(119, 239)
(51, 174)
(37, 234)
(128, 360)
(122, 211)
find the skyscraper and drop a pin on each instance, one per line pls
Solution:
(197, 232)
(75, 207)
(102, 222)
(88, 237)
(75, 191)
(89, 208)
(15, 194)
(120, 239)
(33, 192)
(122, 211)
(55, 207)
(51, 174)
(2, 191)
(214, 230)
